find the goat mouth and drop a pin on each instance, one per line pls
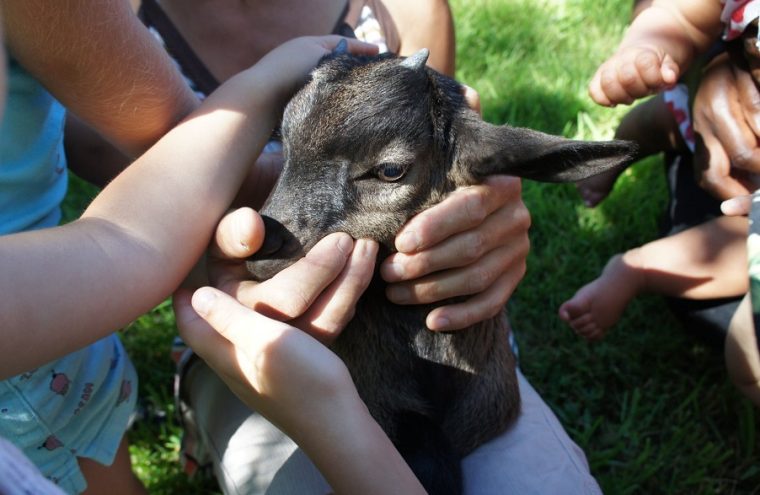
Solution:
(264, 269)
(280, 250)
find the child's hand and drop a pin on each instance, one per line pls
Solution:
(633, 72)
(287, 66)
(317, 294)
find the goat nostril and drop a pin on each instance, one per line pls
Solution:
(272, 244)
(273, 239)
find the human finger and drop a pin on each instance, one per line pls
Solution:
(336, 305)
(485, 304)
(735, 135)
(196, 332)
(472, 97)
(239, 234)
(269, 364)
(749, 98)
(463, 209)
(713, 168)
(353, 45)
(641, 75)
(292, 291)
(611, 83)
(504, 225)
(596, 92)
(740, 205)
(468, 280)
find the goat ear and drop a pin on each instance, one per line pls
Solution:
(488, 149)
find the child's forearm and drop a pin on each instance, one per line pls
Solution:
(101, 63)
(66, 287)
(352, 451)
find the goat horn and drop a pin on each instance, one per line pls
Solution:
(341, 47)
(416, 61)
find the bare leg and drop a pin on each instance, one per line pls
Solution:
(116, 479)
(704, 262)
(651, 126)
(742, 358)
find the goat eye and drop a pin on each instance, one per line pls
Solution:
(390, 172)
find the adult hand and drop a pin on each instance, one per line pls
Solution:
(727, 123)
(474, 243)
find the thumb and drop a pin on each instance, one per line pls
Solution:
(193, 329)
(240, 325)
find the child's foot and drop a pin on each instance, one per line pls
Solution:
(594, 189)
(598, 305)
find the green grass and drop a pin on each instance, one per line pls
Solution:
(651, 406)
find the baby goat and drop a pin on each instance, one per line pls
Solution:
(368, 143)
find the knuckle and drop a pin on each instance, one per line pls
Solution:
(628, 76)
(475, 206)
(646, 60)
(523, 218)
(294, 304)
(492, 310)
(480, 280)
(707, 181)
(429, 292)
(753, 103)
(608, 79)
(474, 247)
(741, 158)
(419, 265)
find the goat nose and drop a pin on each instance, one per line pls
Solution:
(273, 238)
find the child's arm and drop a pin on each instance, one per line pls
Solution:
(657, 48)
(102, 64)
(291, 378)
(66, 287)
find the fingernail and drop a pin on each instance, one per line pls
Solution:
(439, 323)
(345, 244)
(408, 242)
(399, 295)
(728, 206)
(366, 248)
(203, 299)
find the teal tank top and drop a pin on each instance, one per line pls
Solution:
(33, 176)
